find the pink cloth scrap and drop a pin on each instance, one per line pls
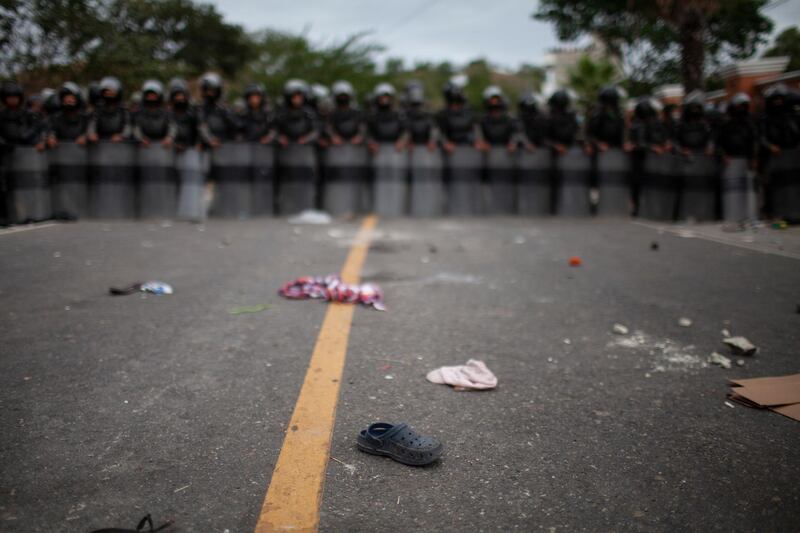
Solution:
(332, 289)
(474, 375)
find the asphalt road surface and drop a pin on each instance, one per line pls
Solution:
(115, 407)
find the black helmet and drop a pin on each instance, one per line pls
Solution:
(609, 95)
(70, 88)
(213, 82)
(414, 93)
(529, 103)
(454, 91)
(153, 87)
(178, 85)
(12, 88)
(644, 108)
(295, 86)
(343, 88)
(93, 90)
(51, 103)
(254, 88)
(110, 83)
(491, 92)
(560, 99)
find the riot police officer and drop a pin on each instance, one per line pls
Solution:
(499, 142)
(694, 139)
(387, 139)
(780, 142)
(606, 136)
(572, 164)
(69, 161)
(297, 158)
(461, 141)
(737, 139)
(534, 184)
(111, 121)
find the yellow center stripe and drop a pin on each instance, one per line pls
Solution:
(295, 491)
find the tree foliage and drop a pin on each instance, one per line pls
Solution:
(131, 39)
(588, 76)
(657, 37)
(787, 44)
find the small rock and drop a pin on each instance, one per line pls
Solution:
(567, 341)
(619, 329)
(684, 322)
(719, 359)
(740, 362)
(740, 345)
(725, 333)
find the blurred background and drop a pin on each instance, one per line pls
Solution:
(646, 46)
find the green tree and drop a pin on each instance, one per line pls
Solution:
(54, 40)
(787, 44)
(281, 56)
(645, 33)
(588, 76)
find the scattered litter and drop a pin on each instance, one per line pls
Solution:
(719, 359)
(654, 246)
(182, 488)
(684, 322)
(474, 375)
(351, 469)
(147, 520)
(153, 287)
(669, 356)
(725, 333)
(575, 261)
(249, 309)
(740, 345)
(729, 404)
(619, 329)
(519, 239)
(740, 362)
(388, 376)
(780, 394)
(332, 289)
(56, 254)
(310, 216)
(567, 341)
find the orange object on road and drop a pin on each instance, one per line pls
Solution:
(575, 261)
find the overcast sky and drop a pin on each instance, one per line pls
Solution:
(501, 31)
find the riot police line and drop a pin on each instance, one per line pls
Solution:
(92, 157)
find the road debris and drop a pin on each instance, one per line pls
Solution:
(575, 261)
(331, 288)
(684, 322)
(153, 287)
(719, 359)
(474, 375)
(779, 393)
(619, 329)
(740, 345)
(310, 216)
(351, 469)
(654, 246)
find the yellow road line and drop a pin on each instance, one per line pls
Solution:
(295, 491)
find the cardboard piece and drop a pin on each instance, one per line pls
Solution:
(780, 394)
